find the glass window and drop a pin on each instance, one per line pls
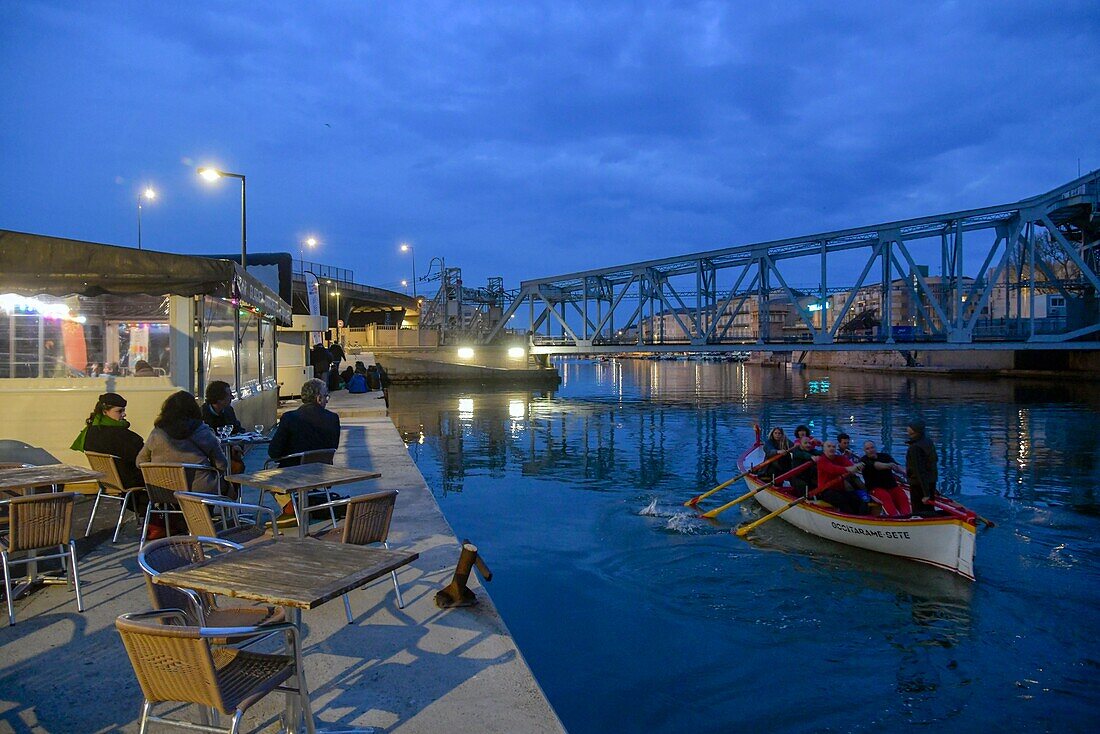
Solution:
(267, 353)
(219, 342)
(249, 353)
(78, 336)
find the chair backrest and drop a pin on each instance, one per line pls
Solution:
(166, 554)
(368, 518)
(198, 517)
(163, 479)
(172, 663)
(107, 465)
(318, 456)
(40, 521)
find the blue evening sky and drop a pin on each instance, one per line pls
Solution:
(529, 139)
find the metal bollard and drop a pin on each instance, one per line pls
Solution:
(456, 593)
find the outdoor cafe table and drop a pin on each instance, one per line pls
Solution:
(292, 573)
(29, 478)
(298, 480)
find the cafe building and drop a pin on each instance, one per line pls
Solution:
(78, 319)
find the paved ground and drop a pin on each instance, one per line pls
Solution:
(417, 669)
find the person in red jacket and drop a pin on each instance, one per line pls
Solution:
(838, 472)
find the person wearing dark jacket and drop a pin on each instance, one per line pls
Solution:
(804, 451)
(108, 432)
(920, 467)
(775, 444)
(180, 436)
(217, 411)
(308, 428)
(320, 359)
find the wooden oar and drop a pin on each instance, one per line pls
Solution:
(697, 498)
(954, 508)
(744, 529)
(793, 472)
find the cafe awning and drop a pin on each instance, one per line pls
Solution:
(32, 264)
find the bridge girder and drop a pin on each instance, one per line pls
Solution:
(691, 308)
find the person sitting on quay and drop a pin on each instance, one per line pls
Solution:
(777, 443)
(920, 468)
(806, 480)
(217, 411)
(309, 427)
(844, 495)
(878, 474)
(180, 436)
(108, 432)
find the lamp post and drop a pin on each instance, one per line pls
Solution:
(213, 174)
(406, 247)
(148, 194)
(337, 294)
(309, 242)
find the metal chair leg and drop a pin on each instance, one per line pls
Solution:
(396, 587)
(95, 506)
(146, 709)
(347, 608)
(121, 515)
(76, 576)
(145, 525)
(7, 587)
(235, 727)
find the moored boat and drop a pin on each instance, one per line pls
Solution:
(945, 540)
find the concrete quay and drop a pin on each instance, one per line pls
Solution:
(417, 669)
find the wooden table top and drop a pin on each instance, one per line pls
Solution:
(303, 477)
(288, 572)
(43, 476)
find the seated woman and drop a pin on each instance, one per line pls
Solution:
(108, 432)
(180, 436)
(777, 443)
(878, 473)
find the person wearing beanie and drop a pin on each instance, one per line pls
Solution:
(108, 432)
(920, 468)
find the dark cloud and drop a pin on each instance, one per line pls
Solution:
(529, 139)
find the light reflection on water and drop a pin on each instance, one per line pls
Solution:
(635, 614)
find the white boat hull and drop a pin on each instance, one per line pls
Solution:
(944, 541)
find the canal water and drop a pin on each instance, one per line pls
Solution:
(635, 615)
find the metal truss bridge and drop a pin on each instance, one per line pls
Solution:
(1016, 276)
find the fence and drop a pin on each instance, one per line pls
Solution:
(378, 335)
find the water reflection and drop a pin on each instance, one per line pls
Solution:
(576, 497)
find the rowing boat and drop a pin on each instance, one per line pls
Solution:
(945, 540)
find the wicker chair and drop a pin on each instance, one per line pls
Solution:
(182, 664)
(40, 522)
(316, 456)
(367, 521)
(203, 610)
(110, 487)
(197, 508)
(162, 481)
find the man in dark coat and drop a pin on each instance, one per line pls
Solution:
(217, 411)
(308, 428)
(320, 359)
(920, 467)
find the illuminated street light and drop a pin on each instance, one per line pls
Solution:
(213, 174)
(406, 247)
(465, 353)
(148, 195)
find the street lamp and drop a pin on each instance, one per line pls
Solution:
(337, 294)
(213, 174)
(406, 247)
(309, 242)
(405, 285)
(148, 195)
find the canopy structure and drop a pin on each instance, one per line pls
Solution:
(32, 264)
